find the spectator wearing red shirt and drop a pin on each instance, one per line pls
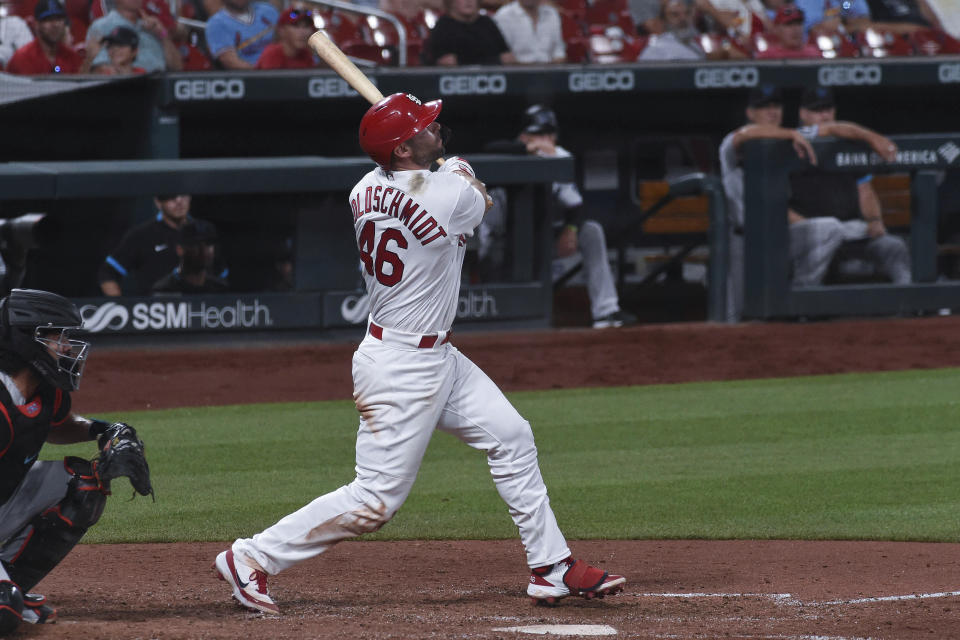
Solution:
(47, 53)
(294, 28)
(791, 43)
(121, 44)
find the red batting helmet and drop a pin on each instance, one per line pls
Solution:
(394, 120)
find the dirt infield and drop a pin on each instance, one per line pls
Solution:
(470, 589)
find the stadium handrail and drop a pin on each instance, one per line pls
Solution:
(392, 19)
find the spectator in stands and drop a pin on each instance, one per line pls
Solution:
(680, 40)
(291, 51)
(121, 45)
(14, 34)
(790, 40)
(239, 32)
(572, 233)
(902, 16)
(945, 11)
(532, 31)
(47, 53)
(196, 250)
(156, 50)
(867, 249)
(647, 15)
(737, 18)
(147, 252)
(463, 36)
(831, 17)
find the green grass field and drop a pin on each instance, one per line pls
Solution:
(872, 456)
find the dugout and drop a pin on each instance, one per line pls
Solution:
(625, 123)
(327, 284)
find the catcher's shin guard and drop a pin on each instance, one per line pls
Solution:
(11, 606)
(41, 545)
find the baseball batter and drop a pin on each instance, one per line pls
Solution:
(409, 380)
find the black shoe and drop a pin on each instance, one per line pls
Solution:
(615, 319)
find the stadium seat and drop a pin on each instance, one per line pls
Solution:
(933, 42)
(576, 9)
(836, 46)
(384, 34)
(761, 41)
(366, 51)
(338, 27)
(875, 43)
(610, 45)
(609, 13)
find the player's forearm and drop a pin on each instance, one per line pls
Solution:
(761, 132)
(870, 207)
(73, 429)
(848, 131)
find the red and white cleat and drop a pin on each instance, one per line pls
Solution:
(549, 585)
(249, 584)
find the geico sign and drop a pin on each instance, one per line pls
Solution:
(856, 74)
(329, 88)
(949, 73)
(213, 89)
(601, 81)
(478, 85)
(728, 77)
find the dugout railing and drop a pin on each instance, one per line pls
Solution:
(768, 292)
(317, 303)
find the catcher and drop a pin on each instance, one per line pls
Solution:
(47, 506)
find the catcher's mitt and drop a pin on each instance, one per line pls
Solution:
(121, 454)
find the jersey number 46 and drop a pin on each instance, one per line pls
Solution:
(375, 261)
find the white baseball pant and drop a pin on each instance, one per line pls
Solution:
(403, 393)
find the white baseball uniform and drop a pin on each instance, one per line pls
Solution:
(409, 380)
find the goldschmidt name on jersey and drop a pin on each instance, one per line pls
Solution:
(395, 203)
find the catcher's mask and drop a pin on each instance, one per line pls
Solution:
(392, 121)
(36, 326)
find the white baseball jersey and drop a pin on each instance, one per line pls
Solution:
(411, 228)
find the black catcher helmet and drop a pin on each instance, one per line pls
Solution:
(35, 325)
(539, 119)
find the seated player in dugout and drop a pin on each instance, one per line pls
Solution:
(572, 232)
(196, 249)
(47, 506)
(148, 251)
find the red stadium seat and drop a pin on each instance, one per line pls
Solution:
(933, 42)
(338, 26)
(611, 12)
(575, 38)
(875, 43)
(610, 45)
(384, 34)
(576, 9)
(836, 46)
(366, 51)
(571, 27)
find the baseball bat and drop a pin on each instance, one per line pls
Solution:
(339, 62)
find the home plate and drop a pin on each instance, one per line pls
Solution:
(564, 629)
